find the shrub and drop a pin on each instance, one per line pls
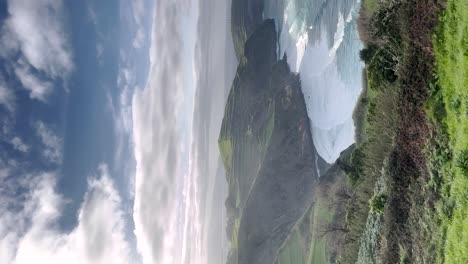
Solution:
(368, 53)
(357, 165)
(353, 178)
(455, 105)
(377, 203)
(404, 258)
(462, 161)
(447, 208)
(385, 64)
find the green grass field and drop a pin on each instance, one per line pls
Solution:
(451, 51)
(293, 251)
(235, 234)
(225, 148)
(318, 248)
(298, 249)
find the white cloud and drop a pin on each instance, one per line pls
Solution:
(19, 145)
(138, 8)
(161, 150)
(36, 27)
(92, 15)
(139, 39)
(33, 34)
(27, 235)
(7, 97)
(99, 52)
(125, 81)
(52, 143)
(38, 89)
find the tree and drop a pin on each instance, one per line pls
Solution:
(343, 195)
(332, 228)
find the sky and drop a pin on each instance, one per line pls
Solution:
(175, 132)
(109, 118)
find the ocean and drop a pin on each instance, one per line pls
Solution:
(322, 44)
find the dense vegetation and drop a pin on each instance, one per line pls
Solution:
(412, 129)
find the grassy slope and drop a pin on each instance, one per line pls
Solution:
(318, 252)
(408, 227)
(225, 148)
(316, 242)
(438, 212)
(293, 251)
(235, 234)
(451, 50)
(314, 249)
(378, 131)
(245, 142)
(250, 119)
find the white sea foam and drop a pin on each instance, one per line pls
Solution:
(294, 36)
(301, 45)
(330, 90)
(350, 16)
(339, 34)
(330, 99)
(330, 102)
